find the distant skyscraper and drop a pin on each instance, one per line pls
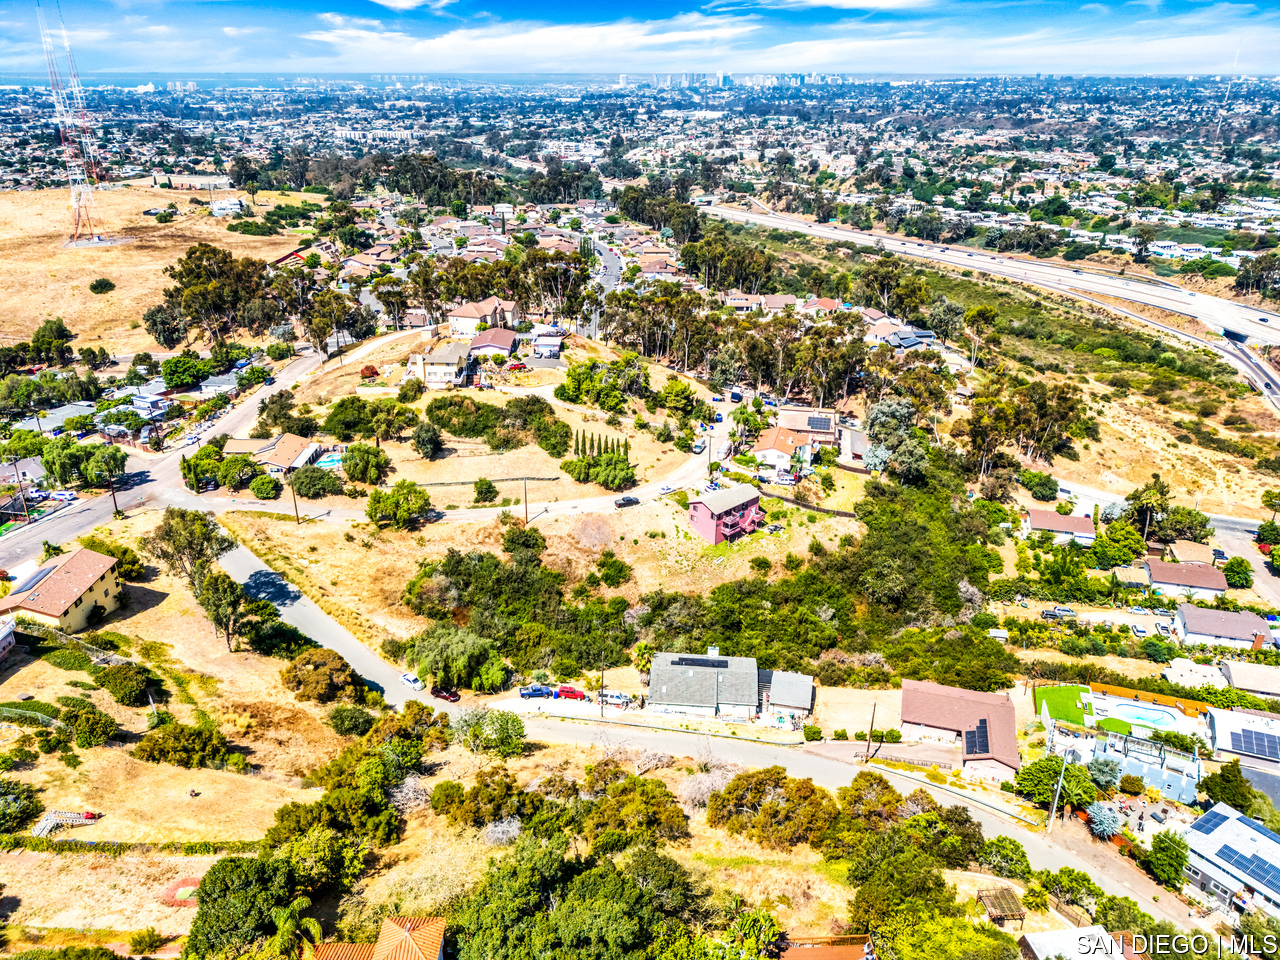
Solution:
(622, 79)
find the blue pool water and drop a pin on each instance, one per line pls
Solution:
(1146, 716)
(329, 461)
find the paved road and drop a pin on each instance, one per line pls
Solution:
(151, 479)
(1214, 312)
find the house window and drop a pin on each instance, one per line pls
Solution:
(78, 600)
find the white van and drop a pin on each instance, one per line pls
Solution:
(700, 444)
(615, 698)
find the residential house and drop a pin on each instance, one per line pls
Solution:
(1219, 628)
(1175, 773)
(447, 366)
(820, 306)
(1064, 529)
(817, 427)
(65, 590)
(1069, 942)
(465, 319)
(775, 303)
(785, 693)
(287, 453)
(1251, 735)
(780, 449)
(26, 470)
(1188, 551)
(723, 514)
(399, 938)
(1194, 580)
(547, 347)
(496, 342)
(983, 725)
(742, 303)
(53, 421)
(704, 686)
(1256, 678)
(1187, 673)
(1234, 861)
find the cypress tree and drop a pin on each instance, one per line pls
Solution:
(626, 449)
(592, 449)
(577, 444)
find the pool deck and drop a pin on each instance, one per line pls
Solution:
(1143, 715)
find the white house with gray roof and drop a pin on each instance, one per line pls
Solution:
(1234, 861)
(704, 685)
(1220, 628)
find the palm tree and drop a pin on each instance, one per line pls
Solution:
(1149, 502)
(291, 927)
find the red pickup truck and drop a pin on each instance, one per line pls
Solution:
(570, 693)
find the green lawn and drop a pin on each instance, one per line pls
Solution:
(1062, 703)
(1115, 725)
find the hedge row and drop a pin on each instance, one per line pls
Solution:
(199, 848)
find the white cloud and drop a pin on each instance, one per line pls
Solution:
(240, 31)
(405, 5)
(155, 30)
(870, 5)
(625, 44)
(1095, 8)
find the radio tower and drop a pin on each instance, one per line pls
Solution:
(79, 148)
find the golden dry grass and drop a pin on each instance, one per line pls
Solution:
(39, 278)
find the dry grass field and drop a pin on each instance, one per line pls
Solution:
(39, 278)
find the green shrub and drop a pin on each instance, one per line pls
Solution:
(146, 941)
(183, 746)
(66, 658)
(18, 805)
(126, 682)
(840, 735)
(349, 721)
(1131, 785)
(265, 487)
(101, 285)
(279, 351)
(129, 565)
(812, 733)
(312, 483)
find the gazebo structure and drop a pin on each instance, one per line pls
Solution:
(1002, 904)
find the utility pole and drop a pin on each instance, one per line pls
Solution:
(526, 512)
(296, 518)
(22, 494)
(1056, 790)
(869, 732)
(600, 695)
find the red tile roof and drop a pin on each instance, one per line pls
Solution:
(400, 938)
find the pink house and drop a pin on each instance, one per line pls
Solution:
(723, 514)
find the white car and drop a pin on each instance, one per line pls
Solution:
(665, 489)
(65, 495)
(412, 682)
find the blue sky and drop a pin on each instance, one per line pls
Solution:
(949, 37)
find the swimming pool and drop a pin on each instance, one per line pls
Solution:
(1145, 716)
(330, 461)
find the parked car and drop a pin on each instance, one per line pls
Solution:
(64, 495)
(517, 366)
(1140, 611)
(626, 502)
(1219, 554)
(719, 418)
(448, 696)
(412, 682)
(534, 690)
(1049, 615)
(1138, 630)
(566, 692)
(1162, 612)
(615, 698)
(1163, 629)
(1064, 612)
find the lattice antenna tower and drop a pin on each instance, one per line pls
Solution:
(79, 147)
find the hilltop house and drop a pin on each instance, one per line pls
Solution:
(1079, 529)
(448, 366)
(1220, 628)
(982, 724)
(64, 591)
(1196, 580)
(723, 514)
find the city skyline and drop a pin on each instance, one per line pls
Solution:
(906, 37)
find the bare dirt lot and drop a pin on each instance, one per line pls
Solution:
(39, 278)
(97, 892)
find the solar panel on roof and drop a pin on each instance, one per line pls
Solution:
(1210, 822)
(970, 743)
(33, 579)
(819, 423)
(1258, 828)
(700, 662)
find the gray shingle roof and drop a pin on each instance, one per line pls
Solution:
(694, 680)
(791, 690)
(719, 501)
(1228, 624)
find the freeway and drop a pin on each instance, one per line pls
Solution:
(1214, 312)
